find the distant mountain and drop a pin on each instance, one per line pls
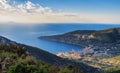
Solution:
(109, 35)
(104, 40)
(26, 59)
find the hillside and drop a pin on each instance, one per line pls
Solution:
(106, 36)
(102, 48)
(15, 57)
(36, 52)
(102, 42)
(115, 61)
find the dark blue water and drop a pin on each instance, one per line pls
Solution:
(28, 34)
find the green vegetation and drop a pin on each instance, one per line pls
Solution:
(116, 58)
(43, 68)
(114, 70)
(13, 58)
(106, 36)
(109, 35)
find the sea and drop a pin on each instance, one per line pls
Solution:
(28, 34)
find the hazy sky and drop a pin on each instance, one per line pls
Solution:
(60, 11)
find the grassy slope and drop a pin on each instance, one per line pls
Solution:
(116, 62)
(13, 59)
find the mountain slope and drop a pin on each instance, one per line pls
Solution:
(38, 53)
(13, 55)
(15, 59)
(103, 40)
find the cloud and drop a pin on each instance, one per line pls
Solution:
(27, 7)
(4, 5)
(29, 12)
(30, 7)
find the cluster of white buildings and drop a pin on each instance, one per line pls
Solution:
(70, 55)
(76, 55)
(87, 50)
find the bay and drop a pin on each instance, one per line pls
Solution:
(28, 34)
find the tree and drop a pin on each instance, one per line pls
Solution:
(23, 68)
(65, 70)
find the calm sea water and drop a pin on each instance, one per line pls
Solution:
(28, 34)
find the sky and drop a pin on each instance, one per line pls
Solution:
(60, 11)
